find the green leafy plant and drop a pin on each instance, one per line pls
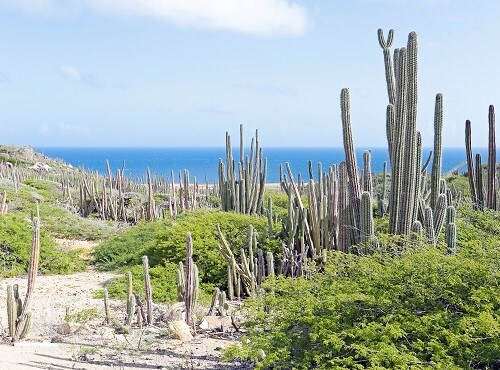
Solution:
(422, 309)
(164, 242)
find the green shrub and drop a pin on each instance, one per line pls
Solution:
(163, 283)
(166, 242)
(127, 248)
(16, 234)
(421, 310)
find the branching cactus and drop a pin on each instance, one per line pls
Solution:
(386, 46)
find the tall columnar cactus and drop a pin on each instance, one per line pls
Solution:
(191, 289)
(150, 209)
(437, 152)
(18, 315)
(470, 164)
(367, 230)
(181, 282)
(419, 179)
(429, 226)
(381, 196)
(389, 127)
(409, 164)
(11, 311)
(451, 229)
(439, 214)
(479, 182)
(350, 160)
(344, 243)
(130, 299)
(398, 137)
(367, 173)
(149, 293)
(491, 201)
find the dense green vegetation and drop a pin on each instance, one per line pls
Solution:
(422, 309)
(57, 220)
(165, 242)
(163, 283)
(16, 233)
(400, 304)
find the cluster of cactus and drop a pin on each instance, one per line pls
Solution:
(340, 204)
(118, 198)
(242, 190)
(402, 136)
(413, 202)
(483, 198)
(134, 306)
(18, 315)
(247, 272)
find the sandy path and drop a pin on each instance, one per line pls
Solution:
(95, 345)
(53, 293)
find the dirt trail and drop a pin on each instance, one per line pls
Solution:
(91, 344)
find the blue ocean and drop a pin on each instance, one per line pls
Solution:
(203, 162)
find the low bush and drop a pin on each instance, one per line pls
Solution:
(16, 234)
(423, 309)
(165, 241)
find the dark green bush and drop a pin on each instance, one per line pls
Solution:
(425, 309)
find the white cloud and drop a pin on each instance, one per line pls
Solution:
(70, 72)
(256, 17)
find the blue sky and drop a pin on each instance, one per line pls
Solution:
(182, 72)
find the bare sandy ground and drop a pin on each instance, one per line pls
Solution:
(92, 344)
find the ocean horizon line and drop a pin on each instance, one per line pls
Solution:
(234, 147)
